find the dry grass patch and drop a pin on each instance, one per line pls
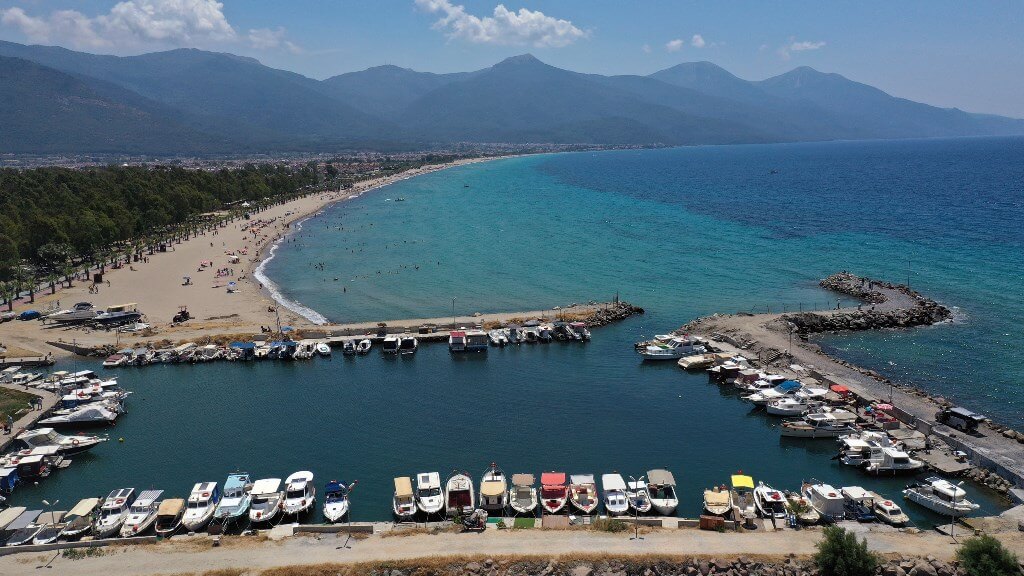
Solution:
(418, 530)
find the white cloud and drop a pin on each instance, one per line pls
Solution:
(801, 46)
(267, 39)
(142, 24)
(674, 45)
(646, 48)
(504, 27)
(697, 41)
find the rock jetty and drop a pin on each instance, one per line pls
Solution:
(890, 306)
(614, 312)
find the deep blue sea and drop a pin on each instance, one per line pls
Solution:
(682, 232)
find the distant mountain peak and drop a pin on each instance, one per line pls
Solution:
(520, 60)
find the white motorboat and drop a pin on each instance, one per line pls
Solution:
(515, 334)
(364, 346)
(202, 503)
(741, 496)
(323, 349)
(24, 379)
(493, 489)
(662, 486)
(891, 461)
(348, 348)
(457, 341)
(113, 512)
(942, 496)
(66, 445)
(403, 503)
(553, 492)
(821, 425)
(786, 389)
(853, 451)
(497, 337)
(889, 512)
(801, 508)
(300, 493)
(770, 503)
(390, 344)
(825, 499)
(51, 525)
(522, 496)
(266, 500)
(235, 499)
(168, 517)
(615, 501)
(791, 406)
(408, 344)
(674, 349)
(583, 494)
(336, 504)
(639, 496)
(581, 329)
(85, 414)
(459, 496)
(78, 520)
(80, 312)
(545, 333)
(142, 514)
(429, 497)
(718, 501)
(115, 360)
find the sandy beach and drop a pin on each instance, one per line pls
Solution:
(158, 287)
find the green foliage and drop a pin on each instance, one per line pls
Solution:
(986, 556)
(839, 554)
(609, 525)
(55, 215)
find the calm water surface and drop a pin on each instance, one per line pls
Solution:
(681, 232)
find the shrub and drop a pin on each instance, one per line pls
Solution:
(609, 525)
(986, 556)
(839, 554)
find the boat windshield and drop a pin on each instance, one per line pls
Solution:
(296, 494)
(428, 492)
(195, 505)
(260, 499)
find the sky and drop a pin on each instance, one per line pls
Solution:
(968, 55)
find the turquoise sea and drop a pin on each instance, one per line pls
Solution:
(682, 232)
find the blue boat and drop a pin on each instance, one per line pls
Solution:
(336, 500)
(236, 500)
(8, 480)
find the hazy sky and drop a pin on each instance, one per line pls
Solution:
(964, 54)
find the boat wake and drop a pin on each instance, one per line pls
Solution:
(275, 291)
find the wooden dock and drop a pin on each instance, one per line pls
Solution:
(27, 361)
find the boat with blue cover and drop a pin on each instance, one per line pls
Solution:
(336, 502)
(235, 501)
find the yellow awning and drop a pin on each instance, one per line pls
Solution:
(492, 488)
(403, 486)
(740, 481)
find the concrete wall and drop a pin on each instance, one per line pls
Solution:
(4, 551)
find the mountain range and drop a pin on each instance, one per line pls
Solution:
(190, 101)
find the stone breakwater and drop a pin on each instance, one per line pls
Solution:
(742, 566)
(891, 306)
(613, 313)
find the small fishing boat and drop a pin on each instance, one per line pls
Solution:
(522, 496)
(23, 529)
(429, 498)
(939, 495)
(717, 501)
(742, 497)
(515, 334)
(614, 492)
(202, 503)
(348, 348)
(821, 425)
(266, 500)
(583, 494)
(142, 514)
(493, 489)
(674, 349)
(531, 335)
(300, 493)
(801, 508)
(403, 504)
(553, 492)
(168, 517)
(581, 329)
(889, 512)
(457, 341)
(408, 345)
(51, 524)
(825, 499)
(364, 346)
(390, 344)
(545, 333)
(113, 512)
(235, 500)
(79, 519)
(459, 496)
(662, 486)
(323, 349)
(336, 504)
(115, 360)
(497, 337)
(891, 461)
(858, 503)
(791, 406)
(84, 415)
(770, 503)
(786, 389)
(639, 496)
